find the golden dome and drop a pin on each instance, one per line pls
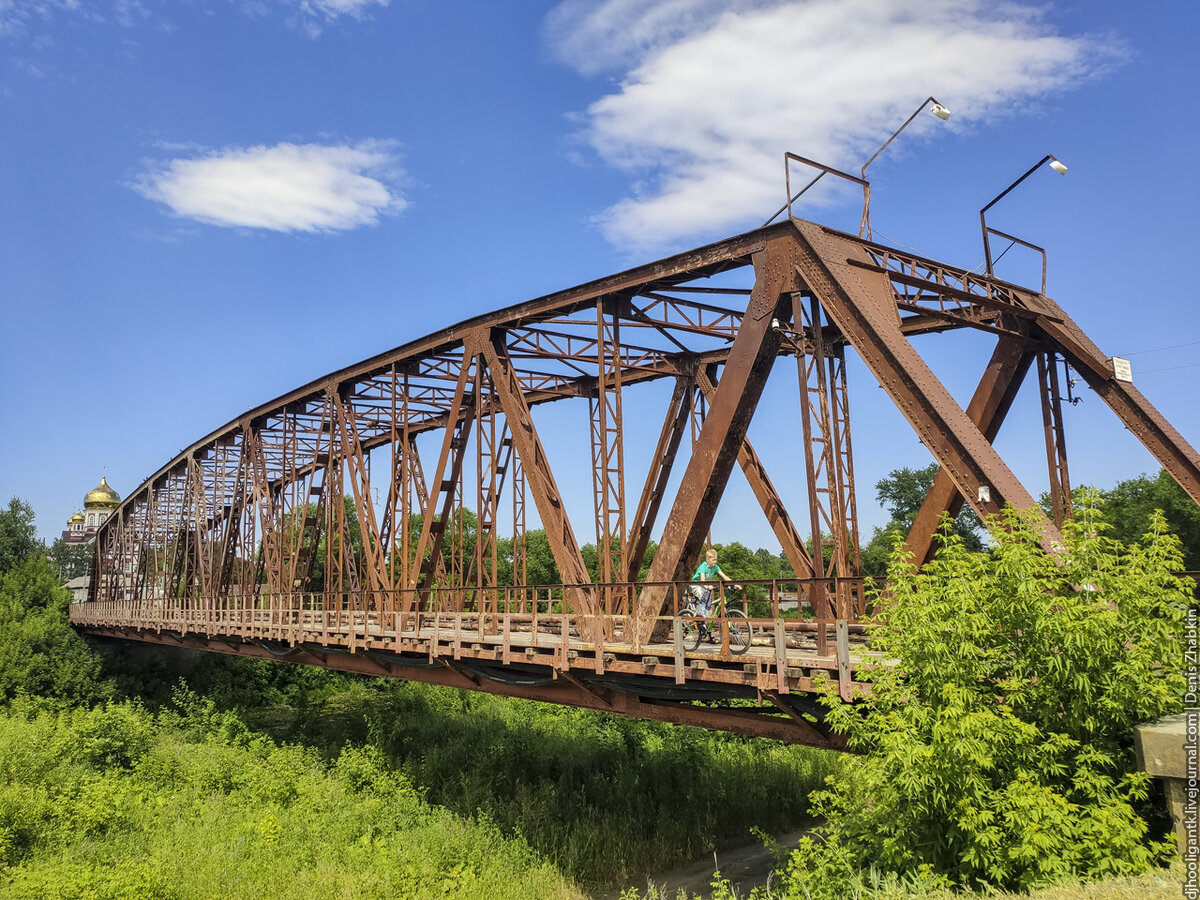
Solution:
(101, 497)
(76, 519)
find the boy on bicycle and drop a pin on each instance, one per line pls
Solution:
(706, 571)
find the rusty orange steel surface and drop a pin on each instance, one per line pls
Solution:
(377, 520)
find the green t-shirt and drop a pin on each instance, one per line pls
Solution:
(705, 572)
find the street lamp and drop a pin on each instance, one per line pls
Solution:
(937, 109)
(1058, 167)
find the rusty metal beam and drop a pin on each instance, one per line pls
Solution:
(1137, 413)
(725, 427)
(1056, 439)
(536, 467)
(989, 405)
(860, 303)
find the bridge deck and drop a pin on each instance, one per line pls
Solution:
(516, 653)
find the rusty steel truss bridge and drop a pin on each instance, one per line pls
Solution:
(310, 529)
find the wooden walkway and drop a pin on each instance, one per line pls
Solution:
(520, 653)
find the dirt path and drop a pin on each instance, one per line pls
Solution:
(746, 867)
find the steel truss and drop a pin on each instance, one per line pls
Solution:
(322, 493)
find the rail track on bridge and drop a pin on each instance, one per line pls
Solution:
(377, 520)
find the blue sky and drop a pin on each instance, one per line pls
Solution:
(206, 204)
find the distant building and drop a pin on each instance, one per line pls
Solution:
(98, 505)
(78, 588)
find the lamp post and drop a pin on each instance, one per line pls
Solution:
(1058, 167)
(937, 109)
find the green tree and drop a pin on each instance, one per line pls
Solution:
(71, 560)
(901, 493)
(539, 560)
(18, 536)
(1130, 503)
(997, 741)
(40, 653)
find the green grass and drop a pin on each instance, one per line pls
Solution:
(601, 797)
(112, 803)
(1155, 885)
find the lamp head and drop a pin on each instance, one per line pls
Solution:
(1058, 167)
(940, 111)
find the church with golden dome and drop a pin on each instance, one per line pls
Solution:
(98, 505)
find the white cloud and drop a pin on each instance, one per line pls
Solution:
(18, 18)
(287, 187)
(316, 15)
(595, 37)
(715, 91)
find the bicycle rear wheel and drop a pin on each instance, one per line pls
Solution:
(691, 628)
(741, 632)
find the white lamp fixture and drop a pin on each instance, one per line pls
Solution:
(1058, 167)
(938, 110)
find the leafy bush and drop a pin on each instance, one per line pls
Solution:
(113, 736)
(998, 736)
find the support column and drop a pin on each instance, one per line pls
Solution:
(1056, 439)
(989, 405)
(861, 305)
(536, 468)
(715, 452)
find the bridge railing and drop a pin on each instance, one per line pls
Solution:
(596, 620)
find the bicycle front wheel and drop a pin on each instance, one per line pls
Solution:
(691, 628)
(741, 632)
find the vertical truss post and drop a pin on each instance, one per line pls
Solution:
(458, 527)
(198, 514)
(181, 556)
(520, 550)
(748, 365)
(334, 528)
(307, 517)
(847, 553)
(536, 469)
(678, 415)
(264, 499)
(493, 456)
(1056, 439)
(608, 454)
(374, 552)
(393, 533)
(446, 482)
(818, 449)
(232, 515)
(487, 490)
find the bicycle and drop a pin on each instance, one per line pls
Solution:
(700, 626)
